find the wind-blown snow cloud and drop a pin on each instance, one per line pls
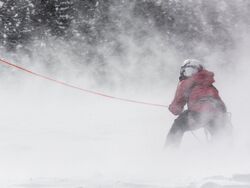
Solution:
(51, 131)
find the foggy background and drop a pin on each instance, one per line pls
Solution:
(53, 136)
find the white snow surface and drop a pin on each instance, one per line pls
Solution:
(52, 136)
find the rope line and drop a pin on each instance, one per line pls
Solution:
(79, 88)
(85, 90)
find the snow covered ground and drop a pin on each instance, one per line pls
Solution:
(53, 136)
(237, 181)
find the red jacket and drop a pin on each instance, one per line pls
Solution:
(198, 93)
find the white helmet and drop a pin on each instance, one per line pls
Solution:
(190, 67)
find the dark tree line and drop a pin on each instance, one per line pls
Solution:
(24, 20)
(88, 21)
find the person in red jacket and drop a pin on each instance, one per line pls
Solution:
(205, 108)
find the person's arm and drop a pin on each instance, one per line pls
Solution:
(181, 96)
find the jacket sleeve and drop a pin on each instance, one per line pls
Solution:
(181, 96)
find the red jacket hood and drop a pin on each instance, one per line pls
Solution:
(203, 77)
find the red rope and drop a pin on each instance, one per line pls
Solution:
(79, 88)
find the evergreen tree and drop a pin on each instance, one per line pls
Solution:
(16, 23)
(63, 17)
(91, 19)
(53, 17)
